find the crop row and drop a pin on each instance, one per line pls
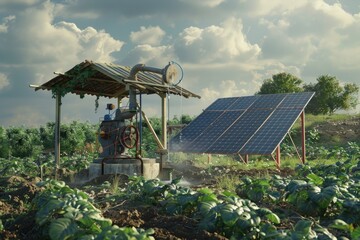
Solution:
(323, 203)
(66, 213)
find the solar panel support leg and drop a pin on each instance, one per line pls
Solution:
(303, 137)
(246, 160)
(278, 160)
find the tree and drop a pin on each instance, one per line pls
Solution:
(4, 144)
(281, 83)
(331, 96)
(24, 142)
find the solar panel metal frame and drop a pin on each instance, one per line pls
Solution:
(270, 105)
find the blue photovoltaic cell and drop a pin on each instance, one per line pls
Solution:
(194, 129)
(267, 101)
(296, 100)
(221, 104)
(235, 137)
(214, 131)
(246, 125)
(243, 103)
(268, 137)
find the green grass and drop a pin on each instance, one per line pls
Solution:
(227, 182)
(313, 120)
(207, 161)
(114, 187)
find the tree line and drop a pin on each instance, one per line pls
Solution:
(75, 137)
(330, 94)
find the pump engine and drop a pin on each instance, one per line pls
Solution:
(117, 135)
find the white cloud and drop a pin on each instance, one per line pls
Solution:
(211, 44)
(25, 2)
(226, 88)
(98, 45)
(5, 24)
(4, 81)
(204, 3)
(255, 8)
(34, 47)
(151, 36)
(34, 39)
(149, 55)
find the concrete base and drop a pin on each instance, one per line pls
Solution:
(128, 167)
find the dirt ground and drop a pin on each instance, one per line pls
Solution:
(16, 194)
(334, 132)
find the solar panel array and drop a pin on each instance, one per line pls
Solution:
(244, 125)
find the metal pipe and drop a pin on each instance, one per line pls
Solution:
(142, 164)
(142, 68)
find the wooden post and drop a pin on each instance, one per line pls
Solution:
(278, 160)
(163, 129)
(303, 136)
(57, 134)
(246, 158)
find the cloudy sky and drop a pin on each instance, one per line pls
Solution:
(226, 47)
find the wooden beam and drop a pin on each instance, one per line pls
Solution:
(57, 134)
(103, 80)
(153, 131)
(163, 128)
(278, 160)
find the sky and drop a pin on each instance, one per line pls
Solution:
(225, 47)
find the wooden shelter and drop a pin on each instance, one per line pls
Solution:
(112, 81)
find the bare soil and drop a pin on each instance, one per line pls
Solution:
(339, 132)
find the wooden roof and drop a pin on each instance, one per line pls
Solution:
(110, 80)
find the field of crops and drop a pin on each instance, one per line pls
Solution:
(217, 199)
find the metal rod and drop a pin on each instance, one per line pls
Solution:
(303, 136)
(247, 158)
(293, 143)
(57, 134)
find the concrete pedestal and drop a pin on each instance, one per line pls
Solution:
(129, 167)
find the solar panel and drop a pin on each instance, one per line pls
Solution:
(297, 100)
(245, 125)
(221, 104)
(239, 132)
(194, 129)
(268, 137)
(210, 134)
(243, 103)
(267, 101)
